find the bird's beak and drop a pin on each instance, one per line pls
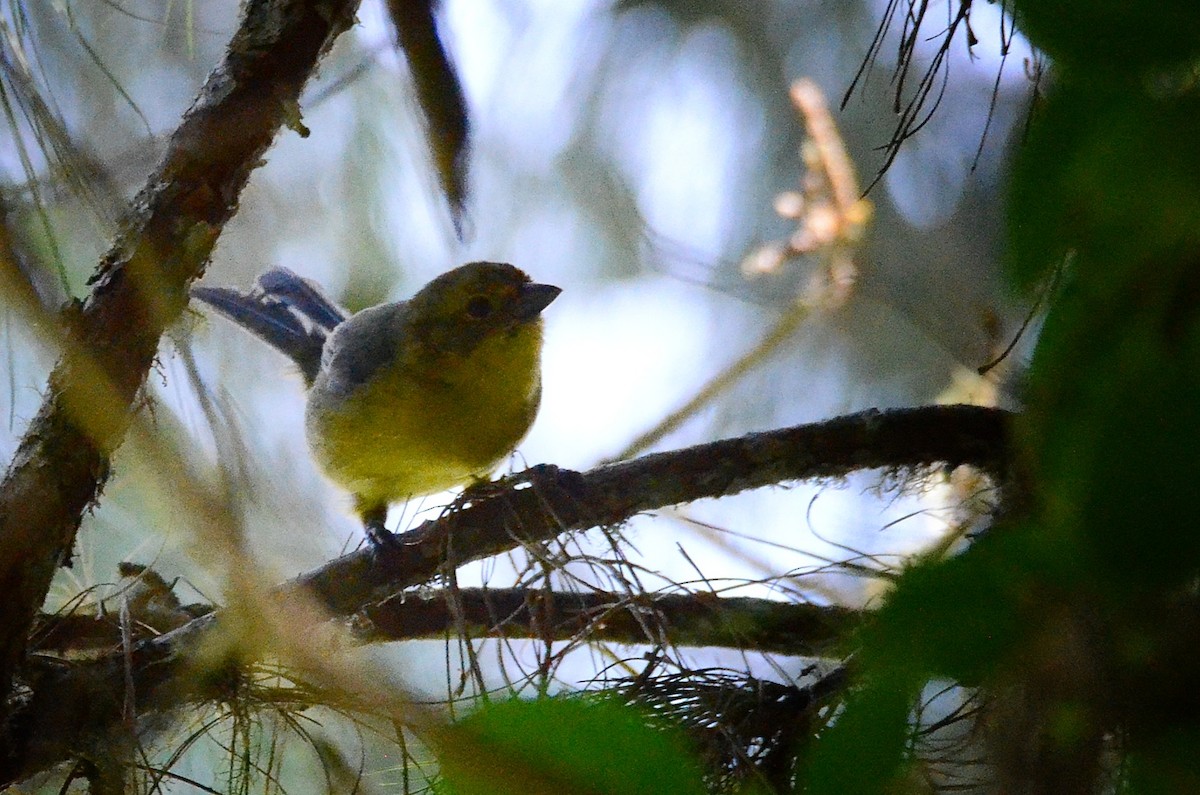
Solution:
(534, 298)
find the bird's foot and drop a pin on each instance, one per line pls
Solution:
(380, 538)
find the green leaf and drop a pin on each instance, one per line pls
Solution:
(1103, 36)
(1104, 174)
(957, 618)
(560, 745)
(863, 751)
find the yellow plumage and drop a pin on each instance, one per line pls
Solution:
(414, 397)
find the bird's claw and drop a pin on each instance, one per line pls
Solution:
(380, 538)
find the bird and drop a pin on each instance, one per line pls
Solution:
(409, 398)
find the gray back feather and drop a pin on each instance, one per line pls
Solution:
(358, 348)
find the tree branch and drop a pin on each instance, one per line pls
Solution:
(545, 502)
(72, 705)
(139, 289)
(698, 620)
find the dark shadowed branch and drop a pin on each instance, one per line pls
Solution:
(138, 290)
(680, 619)
(439, 93)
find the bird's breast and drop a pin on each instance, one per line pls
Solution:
(424, 425)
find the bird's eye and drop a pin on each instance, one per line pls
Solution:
(479, 307)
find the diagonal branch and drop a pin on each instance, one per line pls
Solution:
(139, 289)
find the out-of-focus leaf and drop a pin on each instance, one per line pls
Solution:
(439, 93)
(1103, 172)
(562, 745)
(1171, 765)
(1108, 183)
(864, 750)
(1114, 387)
(1119, 415)
(959, 618)
(1103, 36)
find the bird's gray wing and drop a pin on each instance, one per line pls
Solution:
(286, 311)
(362, 345)
(303, 296)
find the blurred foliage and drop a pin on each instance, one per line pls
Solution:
(439, 93)
(569, 744)
(1075, 611)
(1112, 40)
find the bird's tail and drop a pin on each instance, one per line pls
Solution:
(286, 311)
